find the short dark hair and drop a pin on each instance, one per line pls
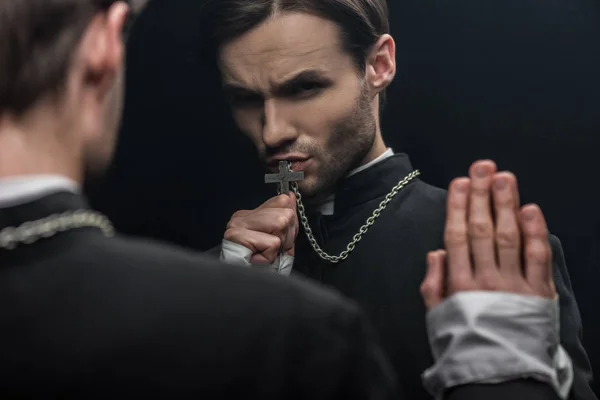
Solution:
(361, 22)
(37, 42)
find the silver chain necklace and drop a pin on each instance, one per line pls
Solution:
(363, 229)
(32, 231)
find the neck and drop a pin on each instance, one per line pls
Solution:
(377, 149)
(33, 146)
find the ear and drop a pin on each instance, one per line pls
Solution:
(103, 50)
(381, 64)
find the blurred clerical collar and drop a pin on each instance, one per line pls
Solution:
(25, 189)
(327, 207)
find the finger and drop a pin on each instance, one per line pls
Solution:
(508, 233)
(265, 247)
(268, 220)
(538, 254)
(432, 288)
(456, 235)
(296, 226)
(281, 201)
(481, 223)
(260, 259)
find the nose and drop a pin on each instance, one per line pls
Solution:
(277, 131)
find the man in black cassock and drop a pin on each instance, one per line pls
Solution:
(88, 314)
(306, 81)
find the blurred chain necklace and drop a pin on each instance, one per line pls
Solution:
(32, 231)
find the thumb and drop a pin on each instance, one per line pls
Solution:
(432, 288)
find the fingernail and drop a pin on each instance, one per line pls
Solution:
(481, 171)
(500, 184)
(530, 214)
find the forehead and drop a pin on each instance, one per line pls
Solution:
(281, 46)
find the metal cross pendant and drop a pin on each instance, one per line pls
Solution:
(284, 177)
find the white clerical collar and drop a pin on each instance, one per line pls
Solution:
(327, 207)
(24, 189)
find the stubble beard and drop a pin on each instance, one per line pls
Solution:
(351, 141)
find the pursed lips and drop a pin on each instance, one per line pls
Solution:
(299, 162)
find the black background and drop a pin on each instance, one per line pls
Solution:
(516, 81)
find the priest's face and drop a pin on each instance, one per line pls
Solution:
(300, 97)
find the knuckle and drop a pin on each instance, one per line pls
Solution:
(457, 202)
(237, 219)
(239, 214)
(517, 287)
(537, 252)
(232, 224)
(275, 242)
(282, 221)
(534, 228)
(460, 282)
(489, 281)
(231, 234)
(508, 238)
(504, 200)
(290, 214)
(480, 229)
(425, 289)
(455, 236)
(480, 191)
(428, 289)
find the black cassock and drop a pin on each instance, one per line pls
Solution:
(384, 272)
(84, 316)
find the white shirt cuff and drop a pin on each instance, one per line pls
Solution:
(233, 253)
(493, 337)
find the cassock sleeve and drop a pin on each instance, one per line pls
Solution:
(570, 326)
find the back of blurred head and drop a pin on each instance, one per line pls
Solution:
(61, 85)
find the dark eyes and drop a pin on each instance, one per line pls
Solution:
(297, 91)
(305, 89)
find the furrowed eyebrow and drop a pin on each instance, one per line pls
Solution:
(301, 78)
(233, 88)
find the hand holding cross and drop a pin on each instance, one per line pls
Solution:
(271, 229)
